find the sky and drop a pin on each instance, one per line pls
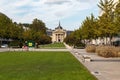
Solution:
(70, 13)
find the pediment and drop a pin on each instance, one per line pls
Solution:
(59, 31)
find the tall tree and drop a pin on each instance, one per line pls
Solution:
(88, 27)
(117, 17)
(4, 23)
(38, 25)
(106, 6)
(106, 20)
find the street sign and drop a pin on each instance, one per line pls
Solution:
(31, 43)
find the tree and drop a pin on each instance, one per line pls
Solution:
(106, 20)
(107, 25)
(44, 39)
(28, 35)
(87, 31)
(88, 27)
(14, 31)
(38, 25)
(70, 39)
(106, 6)
(117, 17)
(4, 22)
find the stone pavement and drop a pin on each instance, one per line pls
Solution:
(102, 68)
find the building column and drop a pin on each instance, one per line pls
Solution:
(56, 37)
(61, 38)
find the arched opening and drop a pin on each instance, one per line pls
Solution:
(59, 40)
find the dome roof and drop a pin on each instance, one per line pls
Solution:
(59, 26)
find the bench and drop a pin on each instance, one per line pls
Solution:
(15, 46)
(87, 58)
(84, 57)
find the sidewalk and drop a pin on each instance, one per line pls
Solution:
(4, 49)
(30, 49)
(102, 68)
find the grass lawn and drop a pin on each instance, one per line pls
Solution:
(53, 45)
(41, 66)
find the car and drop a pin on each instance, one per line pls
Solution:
(116, 43)
(4, 46)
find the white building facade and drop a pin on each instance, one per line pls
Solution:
(59, 34)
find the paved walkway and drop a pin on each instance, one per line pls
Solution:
(102, 68)
(30, 49)
(4, 49)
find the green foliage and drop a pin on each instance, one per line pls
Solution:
(44, 39)
(38, 25)
(106, 6)
(16, 44)
(8, 29)
(37, 32)
(38, 37)
(106, 25)
(5, 22)
(42, 66)
(106, 21)
(70, 39)
(86, 31)
(117, 17)
(89, 27)
(27, 35)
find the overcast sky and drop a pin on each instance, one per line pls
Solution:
(69, 12)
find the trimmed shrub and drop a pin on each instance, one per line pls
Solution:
(79, 45)
(99, 48)
(118, 51)
(108, 51)
(16, 44)
(90, 48)
(118, 54)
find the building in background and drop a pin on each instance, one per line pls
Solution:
(58, 34)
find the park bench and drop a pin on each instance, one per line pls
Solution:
(84, 58)
(15, 46)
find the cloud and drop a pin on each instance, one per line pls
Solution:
(50, 11)
(56, 1)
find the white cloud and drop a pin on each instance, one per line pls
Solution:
(49, 11)
(56, 1)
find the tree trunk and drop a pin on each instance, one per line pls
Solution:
(106, 41)
(111, 40)
(0, 42)
(96, 42)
